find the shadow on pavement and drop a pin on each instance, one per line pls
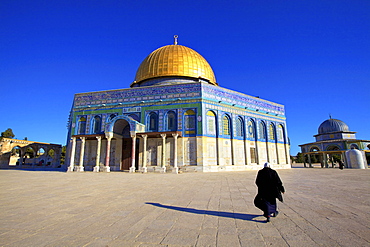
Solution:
(249, 217)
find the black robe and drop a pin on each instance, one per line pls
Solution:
(270, 187)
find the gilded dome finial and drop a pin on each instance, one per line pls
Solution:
(175, 39)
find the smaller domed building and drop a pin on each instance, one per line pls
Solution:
(333, 140)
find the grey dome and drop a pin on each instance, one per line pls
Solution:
(333, 125)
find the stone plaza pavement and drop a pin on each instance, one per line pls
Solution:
(322, 207)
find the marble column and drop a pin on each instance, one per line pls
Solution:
(309, 161)
(97, 163)
(175, 168)
(80, 167)
(72, 157)
(324, 160)
(163, 163)
(182, 162)
(344, 159)
(144, 168)
(107, 155)
(133, 151)
(20, 159)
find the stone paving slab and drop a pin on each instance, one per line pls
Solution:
(322, 207)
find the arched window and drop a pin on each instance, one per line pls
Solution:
(251, 129)
(97, 125)
(333, 147)
(353, 146)
(314, 149)
(153, 122)
(239, 126)
(226, 125)
(211, 123)
(171, 121)
(281, 135)
(262, 130)
(190, 123)
(272, 132)
(81, 126)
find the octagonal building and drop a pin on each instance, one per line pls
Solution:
(333, 141)
(175, 117)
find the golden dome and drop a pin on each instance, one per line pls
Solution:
(173, 61)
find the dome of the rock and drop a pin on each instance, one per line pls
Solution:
(174, 61)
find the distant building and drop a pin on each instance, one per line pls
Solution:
(334, 138)
(175, 116)
(16, 153)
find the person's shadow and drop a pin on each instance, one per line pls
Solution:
(249, 217)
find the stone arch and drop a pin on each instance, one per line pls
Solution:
(29, 152)
(333, 157)
(333, 147)
(40, 152)
(315, 149)
(354, 146)
(134, 125)
(15, 156)
(16, 151)
(122, 128)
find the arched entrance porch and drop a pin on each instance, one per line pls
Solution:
(335, 155)
(130, 144)
(123, 129)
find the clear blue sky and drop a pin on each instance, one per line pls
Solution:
(313, 56)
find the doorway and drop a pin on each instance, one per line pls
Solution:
(127, 154)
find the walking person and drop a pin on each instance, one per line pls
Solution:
(270, 187)
(341, 165)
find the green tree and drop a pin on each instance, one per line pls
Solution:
(8, 133)
(63, 155)
(299, 158)
(315, 158)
